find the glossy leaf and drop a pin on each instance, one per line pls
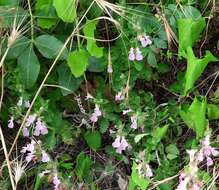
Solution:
(29, 67)
(195, 68)
(65, 9)
(92, 47)
(195, 116)
(49, 47)
(78, 61)
(189, 32)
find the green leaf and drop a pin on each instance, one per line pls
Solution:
(18, 47)
(92, 47)
(151, 59)
(46, 12)
(160, 132)
(195, 67)
(29, 67)
(213, 111)
(194, 116)
(93, 139)
(49, 47)
(78, 61)
(189, 32)
(67, 80)
(9, 2)
(83, 166)
(137, 180)
(65, 9)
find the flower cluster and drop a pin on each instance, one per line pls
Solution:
(97, 113)
(135, 54)
(207, 151)
(120, 144)
(145, 40)
(38, 125)
(134, 124)
(33, 152)
(21, 102)
(119, 96)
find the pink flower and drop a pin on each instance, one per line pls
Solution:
(40, 128)
(145, 40)
(119, 96)
(195, 187)
(30, 120)
(56, 182)
(134, 124)
(45, 157)
(138, 55)
(110, 68)
(209, 161)
(149, 172)
(131, 54)
(29, 157)
(11, 122)
(97, 113)
(25, 132)
(30, 150)
(120, 144)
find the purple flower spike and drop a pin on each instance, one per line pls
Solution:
(25, 132)
(120, 144)
(40, 128)
(30, 120)
(209, 161)
(56, 182)
(131, 54)
(97, 113)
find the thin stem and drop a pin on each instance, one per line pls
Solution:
(31, 20)
(2, 89)
(3, 57)
(45, 78)
(7, 159)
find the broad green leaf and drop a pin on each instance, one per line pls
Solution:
(213, 111)
(151, 59)
(93, 139)
(9, 2)
(195, 67)
(18, 47)
(83, 166)
(189, 32)
(194, 116)
(138, 180)
(172, 151)
(49, 47)
(29, 67)
(92, 47)
(46, 13)
(67, 80)
(66, 9)
(78, 61)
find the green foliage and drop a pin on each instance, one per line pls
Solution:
(29, 67)
(92, 47)
(78, 61)
(195, 68)
(65, 9)
(195, 116)
(49, 47)
(213, 111)
(189, 33)
(93, 139)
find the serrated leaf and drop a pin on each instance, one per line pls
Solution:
(66, 9)
(93, 139)
(189, 32)
(92, 47)
(195, 67)
(67, 80)
(29, 67)
(83, 166)
(78, 61)
(194, 116)
(49, 47)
